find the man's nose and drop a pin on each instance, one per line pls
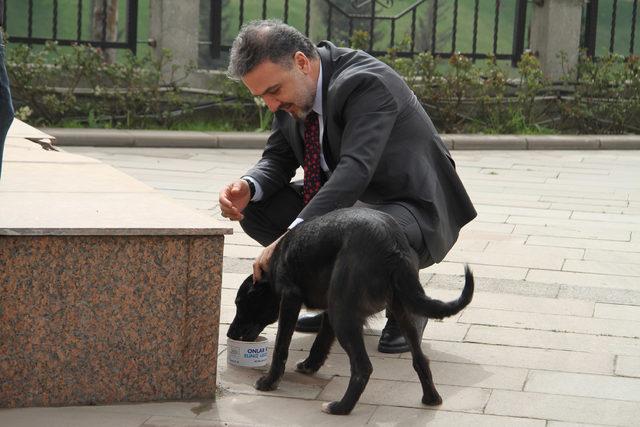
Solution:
(272, 103)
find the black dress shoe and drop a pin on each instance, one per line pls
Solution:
(309, 323)
(393, 341)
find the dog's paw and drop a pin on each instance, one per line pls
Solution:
(305, 367)
(335, 408)
(434, 400)
(266, 383)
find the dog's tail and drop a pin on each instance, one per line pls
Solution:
(412, 296)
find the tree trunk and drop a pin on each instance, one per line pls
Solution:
(104, 27)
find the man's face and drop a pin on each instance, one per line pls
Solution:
(291, 89)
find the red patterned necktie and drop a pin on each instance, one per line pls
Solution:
(311, 161)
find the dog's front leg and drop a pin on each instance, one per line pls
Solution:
(319, 349)
(289, 310)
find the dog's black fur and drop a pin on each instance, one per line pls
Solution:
(351, 263)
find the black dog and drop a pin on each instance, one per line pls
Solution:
(350, 263)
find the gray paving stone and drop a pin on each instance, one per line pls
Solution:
(457, 374)
(68, 417)
(571, 232)
(628, 366)
(521, 303)
(235, 265)
(617, 311)
(563, 408)
(627, 219)
(587, 208)
(612, 256)
(293, 385)
(586, 280)
(516, 210)
(242, 251)
(515, 257)
(598, 386)
(517, 357)
(551, 322)
(239, 409)
(391, 415)
(160, 421)
(575, 342)
(608, 295)
(233, 280)
(565, 424)
(480, 270)
(602, 267)
(496, 286)
(573, 200)
(409, 394)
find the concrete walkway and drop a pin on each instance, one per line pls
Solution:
(552, 337)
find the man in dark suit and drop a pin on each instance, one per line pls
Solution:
(362, 138)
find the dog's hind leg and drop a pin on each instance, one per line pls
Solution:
(289, 308)
(319, 349)
(349, 333)
(407, 323)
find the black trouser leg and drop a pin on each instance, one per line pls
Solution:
(266, 220)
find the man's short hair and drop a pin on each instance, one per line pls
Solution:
(268, 39)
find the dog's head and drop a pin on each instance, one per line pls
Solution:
(257, 306)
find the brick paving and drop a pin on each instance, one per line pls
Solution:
(552, 337)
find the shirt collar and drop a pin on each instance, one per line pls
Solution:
(317, 102)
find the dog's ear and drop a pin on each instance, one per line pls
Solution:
(260, 287)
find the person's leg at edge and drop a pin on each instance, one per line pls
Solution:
(6, 106)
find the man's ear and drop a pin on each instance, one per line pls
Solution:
(301, 62)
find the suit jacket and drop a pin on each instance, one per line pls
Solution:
(380, 145)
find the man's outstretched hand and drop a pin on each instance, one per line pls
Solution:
(234, 198)
(262, 261)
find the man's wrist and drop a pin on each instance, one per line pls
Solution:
(252, 187)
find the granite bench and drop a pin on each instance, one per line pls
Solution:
(109, 291)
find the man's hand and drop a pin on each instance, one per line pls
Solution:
(234, 198)
(262, 261)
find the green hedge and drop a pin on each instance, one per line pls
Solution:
(73, 87)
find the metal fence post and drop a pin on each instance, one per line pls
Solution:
(215, 28)
(519, 27)
(591, 27)
(132, 25)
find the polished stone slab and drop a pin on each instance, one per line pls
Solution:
(109, 290)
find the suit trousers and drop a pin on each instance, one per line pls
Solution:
(266, 220)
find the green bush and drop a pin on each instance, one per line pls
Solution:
(606, 96)
(53, 85)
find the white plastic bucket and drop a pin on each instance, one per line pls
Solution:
(249, 354)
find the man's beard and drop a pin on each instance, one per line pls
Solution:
(306, 106)
(303, 113)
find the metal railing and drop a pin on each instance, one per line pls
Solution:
(619, 19)
(101, 42)
(369, 18)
